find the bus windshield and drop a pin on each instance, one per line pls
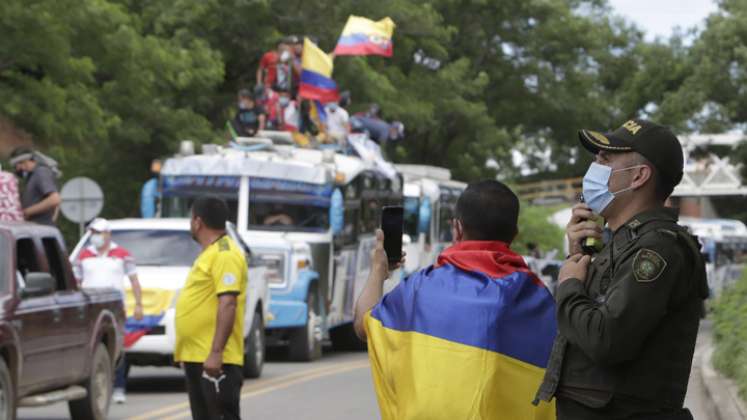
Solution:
(286, 216)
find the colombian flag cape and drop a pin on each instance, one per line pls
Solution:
(467, 338)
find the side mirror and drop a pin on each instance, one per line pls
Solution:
(38, 284)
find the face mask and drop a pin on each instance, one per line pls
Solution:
(97, 240)
(596, 190)
(285, 56)
(284, 101)
(333, 107)
(22, 174)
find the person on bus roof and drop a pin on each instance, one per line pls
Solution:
(250, 117)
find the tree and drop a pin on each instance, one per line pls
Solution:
(99, 93)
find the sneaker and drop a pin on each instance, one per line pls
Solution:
(119, 396)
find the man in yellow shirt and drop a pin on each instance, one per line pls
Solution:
(210, 316)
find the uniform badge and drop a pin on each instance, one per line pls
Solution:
(229, 279)
(648, 266)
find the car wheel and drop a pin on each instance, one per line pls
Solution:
(7, 393)
(254, 349)
(95, 406)
(306, 342)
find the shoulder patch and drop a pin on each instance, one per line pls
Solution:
(223, 244)
(648, 265)
(229, 279)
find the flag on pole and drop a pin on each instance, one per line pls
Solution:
(316, 74)
(363, 36)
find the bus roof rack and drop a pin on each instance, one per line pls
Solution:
(277, 137)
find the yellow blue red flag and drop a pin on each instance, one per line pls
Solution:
(316, 74)
(363, 36)
(468, 338)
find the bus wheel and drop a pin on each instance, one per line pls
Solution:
(306, 342)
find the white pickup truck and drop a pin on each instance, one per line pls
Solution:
(164, 252)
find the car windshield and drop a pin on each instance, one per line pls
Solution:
(158, 247)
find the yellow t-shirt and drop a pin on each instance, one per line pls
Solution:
(220, 268)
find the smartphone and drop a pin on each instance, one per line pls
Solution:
(392, 223)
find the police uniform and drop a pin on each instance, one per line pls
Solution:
(627, 333)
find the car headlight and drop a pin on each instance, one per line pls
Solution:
(274, 264)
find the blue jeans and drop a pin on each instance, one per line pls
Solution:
(120, 375)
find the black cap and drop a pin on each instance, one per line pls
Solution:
(653, 141)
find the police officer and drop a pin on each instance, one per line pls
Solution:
(628, 316)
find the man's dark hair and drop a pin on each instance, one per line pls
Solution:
(212, 211)
(246, 93)
(489, 211)
(22, 150)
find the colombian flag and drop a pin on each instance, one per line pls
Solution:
(316, 74)
(468, 338)
(155, 304)
(363, 36)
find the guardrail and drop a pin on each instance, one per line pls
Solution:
(551, 190)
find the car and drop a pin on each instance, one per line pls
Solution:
(164, 251)
(57, 342)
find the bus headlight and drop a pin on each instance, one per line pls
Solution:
(274, 264)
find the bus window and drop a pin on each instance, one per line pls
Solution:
(179, 192)
(412, 209)
(174, 207)
(446, 214)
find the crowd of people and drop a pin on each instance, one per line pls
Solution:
(275, 104)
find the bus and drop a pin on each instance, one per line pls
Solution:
(430, 197)
(309, 217)
(724, 246)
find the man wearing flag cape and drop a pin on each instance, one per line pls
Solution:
(466, 338)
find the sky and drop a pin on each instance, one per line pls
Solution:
(660, 17)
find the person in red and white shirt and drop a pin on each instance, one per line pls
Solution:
(105, 264)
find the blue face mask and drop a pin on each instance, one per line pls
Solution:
(596, 188)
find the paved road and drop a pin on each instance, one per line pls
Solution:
(335, 388)
(338, 387)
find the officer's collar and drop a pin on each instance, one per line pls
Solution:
(627, 233)
(659, 213)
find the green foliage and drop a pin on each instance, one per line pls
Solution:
(730, 332)
(535, 226)
(104, 86)
(99, 93)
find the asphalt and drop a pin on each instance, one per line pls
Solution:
(335, 388)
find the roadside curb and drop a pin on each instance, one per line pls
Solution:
(723, 400)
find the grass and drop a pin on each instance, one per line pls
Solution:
(730, 333)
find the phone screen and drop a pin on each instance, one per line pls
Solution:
(392, 223)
